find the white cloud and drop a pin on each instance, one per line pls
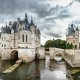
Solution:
(75, 9)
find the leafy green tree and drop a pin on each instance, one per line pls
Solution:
(58, 44)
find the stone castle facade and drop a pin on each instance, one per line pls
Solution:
(73, 36)
(19, 35)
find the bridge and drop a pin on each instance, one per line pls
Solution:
(71, 56)
(24, 54)
(56, 52)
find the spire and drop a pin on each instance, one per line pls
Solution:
(25, 14)
(72, 25)
(6, 24)
(77, 29)
(38, 31)
(26, 19)
(31, 24)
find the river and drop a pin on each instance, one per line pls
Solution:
(35, 71)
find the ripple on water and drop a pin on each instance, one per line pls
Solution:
(37, 71)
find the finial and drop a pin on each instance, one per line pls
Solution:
(26, 14)
(31, 21)
(77, 29)
(6, 24)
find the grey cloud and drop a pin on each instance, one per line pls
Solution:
(36, 6)
(7, 6)
(58, 13)
(16, 6)
(56, 35)
(77, 0)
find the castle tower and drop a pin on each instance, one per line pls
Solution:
(33, 30)
(73, 36)
(77, 38)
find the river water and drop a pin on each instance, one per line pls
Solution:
(35, 71)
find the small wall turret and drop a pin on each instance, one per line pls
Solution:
(10, 24)
(32, 26)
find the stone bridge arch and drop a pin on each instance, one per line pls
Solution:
(60, 53)
(14, 55)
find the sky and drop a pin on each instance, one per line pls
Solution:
(51, 16)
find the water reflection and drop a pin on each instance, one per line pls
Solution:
(5, 64)
(56, 71)
(37, 71)
(47, 61)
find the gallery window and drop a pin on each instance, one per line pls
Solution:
(23, 38)
(26, 38)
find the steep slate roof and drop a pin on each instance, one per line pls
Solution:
(14, 26)
(32, 23)
(77, 29)
(71, 30)
(6, 29)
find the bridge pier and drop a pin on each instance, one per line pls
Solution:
(25, 54)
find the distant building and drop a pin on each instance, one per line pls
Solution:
(73, 36)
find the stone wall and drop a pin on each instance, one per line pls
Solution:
(6, 54)
(72, 56)
(69, 56)
(41, 52)
(77, 56)
(26, 54)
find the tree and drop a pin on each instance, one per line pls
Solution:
(58, 44)
(48, 44)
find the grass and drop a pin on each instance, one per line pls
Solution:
(75, 70)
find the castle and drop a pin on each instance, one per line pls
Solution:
(21, 36)
(73, 36)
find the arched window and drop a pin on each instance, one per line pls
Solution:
(26, 38)
(23, 38)
(2, 45)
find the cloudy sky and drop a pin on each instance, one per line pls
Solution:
(51, 16)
